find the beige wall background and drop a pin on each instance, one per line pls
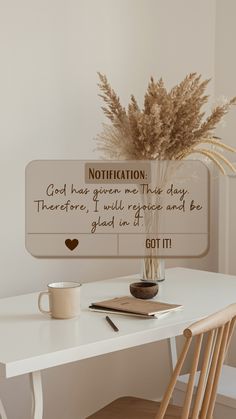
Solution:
(226, 85)
(50, 53)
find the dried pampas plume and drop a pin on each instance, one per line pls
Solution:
(171, 125)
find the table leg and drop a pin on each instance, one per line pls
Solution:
(2, 411)
(37, 393)
(173, 358)
(173, 352)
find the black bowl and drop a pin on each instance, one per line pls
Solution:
(144, 290)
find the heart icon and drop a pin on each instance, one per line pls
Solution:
(71, 244)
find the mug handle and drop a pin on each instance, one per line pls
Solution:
(39, 302)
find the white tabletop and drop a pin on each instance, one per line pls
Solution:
(31, 341)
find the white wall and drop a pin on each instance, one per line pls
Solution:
(225, 64)
(225, 84)
(50, 53)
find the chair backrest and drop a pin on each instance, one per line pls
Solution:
(218, 329)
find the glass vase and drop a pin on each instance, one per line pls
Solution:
(153, 269)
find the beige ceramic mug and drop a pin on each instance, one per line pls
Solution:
(64, 300)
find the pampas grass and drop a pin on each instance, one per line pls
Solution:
(171, 125)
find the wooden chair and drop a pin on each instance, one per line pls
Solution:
(217, 329)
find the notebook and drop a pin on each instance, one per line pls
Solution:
(134, 306)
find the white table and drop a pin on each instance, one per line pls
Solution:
(31, 342)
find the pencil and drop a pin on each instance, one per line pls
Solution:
(114, 327)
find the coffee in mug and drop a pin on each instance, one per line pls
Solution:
(64, 300)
